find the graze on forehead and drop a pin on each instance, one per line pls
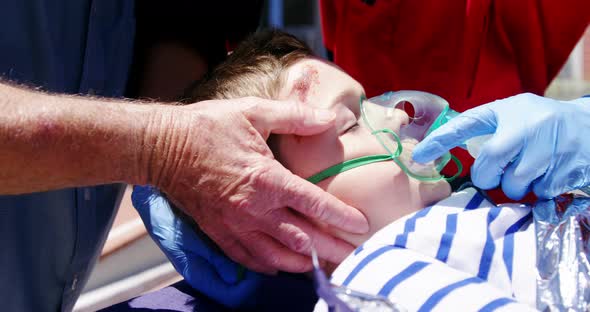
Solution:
(306, 83)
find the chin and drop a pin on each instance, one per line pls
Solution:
(383, 193)
(433, 192)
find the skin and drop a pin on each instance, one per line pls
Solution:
(382, 191)
(230, 183)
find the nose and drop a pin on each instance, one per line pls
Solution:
(403, 119)
(380, 116)
(397, 118)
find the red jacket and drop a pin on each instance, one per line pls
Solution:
(468, 52)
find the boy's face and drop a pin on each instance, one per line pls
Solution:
(382, 191)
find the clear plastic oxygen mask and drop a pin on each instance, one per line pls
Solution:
(423, 110)
(381, 117)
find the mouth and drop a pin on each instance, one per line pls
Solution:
(427, 169)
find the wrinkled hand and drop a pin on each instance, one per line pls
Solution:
(212, 161)
(538, 144)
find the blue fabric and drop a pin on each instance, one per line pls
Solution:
(442, 293)
(374, 255)
(410, 226)
(489, 249)
(475, 201)
(410, 271)
(446, 240)
(51, 239)
(193, 255)
(508, 250)
(284, 292)
(496, 304)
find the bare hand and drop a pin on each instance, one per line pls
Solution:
(211, 159)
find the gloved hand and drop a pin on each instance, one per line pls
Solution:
(538, 144)
(204, 267)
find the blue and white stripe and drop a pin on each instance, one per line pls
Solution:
(463, 253)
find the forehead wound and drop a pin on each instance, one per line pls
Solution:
(306, 83)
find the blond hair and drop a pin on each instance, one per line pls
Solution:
(255, 68)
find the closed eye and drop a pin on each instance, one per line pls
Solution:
(352, 127)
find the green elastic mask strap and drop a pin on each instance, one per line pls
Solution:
(459, 168)
(347, 165)
(365, 160)
(398, 150)
(444, 116)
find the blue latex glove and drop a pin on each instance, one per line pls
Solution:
(538, 144)
(204, 267)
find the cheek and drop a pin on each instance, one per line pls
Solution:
(368, 185)
(378, 189)
(306, 156)
(361, 143)
(383, 193)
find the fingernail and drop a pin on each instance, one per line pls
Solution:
(363, 226)
(324, 116)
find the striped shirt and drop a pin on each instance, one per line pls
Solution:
(462, 253)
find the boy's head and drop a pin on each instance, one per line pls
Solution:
(256, 67)
(278, 66)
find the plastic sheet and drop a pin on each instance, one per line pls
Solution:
(562, 228)
(343, 299)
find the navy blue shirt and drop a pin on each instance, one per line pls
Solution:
(50, 240)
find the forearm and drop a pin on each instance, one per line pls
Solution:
(52, 141)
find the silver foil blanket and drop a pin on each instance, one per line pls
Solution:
(562, 228)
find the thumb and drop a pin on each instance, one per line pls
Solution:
(285, 117)
(474, 122)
